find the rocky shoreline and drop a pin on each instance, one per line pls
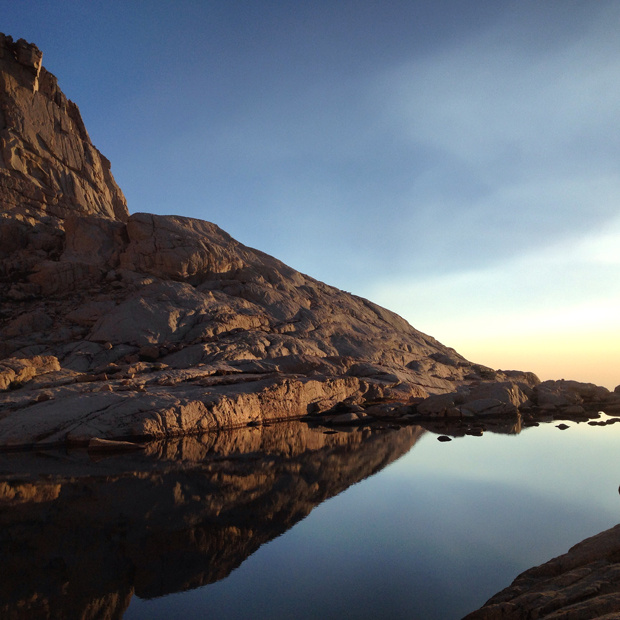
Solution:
(582, 584)
(59, 406)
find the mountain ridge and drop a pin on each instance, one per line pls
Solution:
(142, 326)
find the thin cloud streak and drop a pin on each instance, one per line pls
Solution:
(530, 136)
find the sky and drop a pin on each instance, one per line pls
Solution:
(452, 160)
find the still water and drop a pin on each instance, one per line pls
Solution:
(288, 522)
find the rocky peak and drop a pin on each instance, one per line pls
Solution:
(22, 60)
(48, 164)
(115, 326)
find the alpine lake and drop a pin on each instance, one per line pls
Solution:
(294, 521)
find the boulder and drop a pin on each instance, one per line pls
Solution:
(566, 393)
(438, 404)
(582, 583)
(179, 248)
(16, 371)
(488, 406)
(506, 392)
(488, 398)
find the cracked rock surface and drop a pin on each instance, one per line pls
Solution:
(583, 584)
(117, 326)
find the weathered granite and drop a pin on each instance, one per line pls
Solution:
(48, 165)
(164, 325)
(583, 584)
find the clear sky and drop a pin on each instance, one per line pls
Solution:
(453, 160)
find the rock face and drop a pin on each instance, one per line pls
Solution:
(48, 165)
(583, 584)
(154, 326)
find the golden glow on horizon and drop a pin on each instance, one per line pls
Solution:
(554, 312)
(589, 356)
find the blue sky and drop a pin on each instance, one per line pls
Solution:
(454, 161)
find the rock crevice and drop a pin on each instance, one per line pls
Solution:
(168, 324)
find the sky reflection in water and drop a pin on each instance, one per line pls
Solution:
(433, 535)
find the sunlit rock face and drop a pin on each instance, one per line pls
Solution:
(49, 171)
(48, 164)
(81, 536)
(163, 325)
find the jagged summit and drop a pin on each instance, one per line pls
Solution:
(48, 165)
(149, 325)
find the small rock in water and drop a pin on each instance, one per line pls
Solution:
(96, 443)
(474, 432)
(562, 427)
(592, 423)
(444, 438)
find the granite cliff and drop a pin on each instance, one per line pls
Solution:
(142, 326)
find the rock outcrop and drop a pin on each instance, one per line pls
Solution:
(583, 584)
(156, 325)
(48, 165)
(49, 170)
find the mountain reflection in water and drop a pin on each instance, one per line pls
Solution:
(81, 535)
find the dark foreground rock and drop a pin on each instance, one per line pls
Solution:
(583, 584)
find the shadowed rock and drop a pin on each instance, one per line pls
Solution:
(583, 584)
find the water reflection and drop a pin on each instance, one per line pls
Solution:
(80, 535)
(459, 427)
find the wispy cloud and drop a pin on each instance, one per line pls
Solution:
(526, 134)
